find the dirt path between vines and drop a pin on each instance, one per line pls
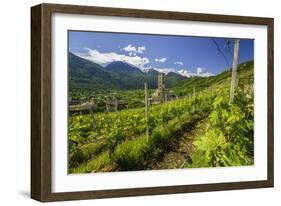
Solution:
(182, 149)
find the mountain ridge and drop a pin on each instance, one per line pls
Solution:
(116, 75)
(122, 66)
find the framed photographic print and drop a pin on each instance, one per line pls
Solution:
(132, 102)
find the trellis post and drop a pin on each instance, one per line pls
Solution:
(234, 69)
(146, 110)
(194, 96)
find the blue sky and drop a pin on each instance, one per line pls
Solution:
(183, 54)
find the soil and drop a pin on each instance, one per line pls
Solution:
(182, 149)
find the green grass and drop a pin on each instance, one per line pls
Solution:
(94, 164)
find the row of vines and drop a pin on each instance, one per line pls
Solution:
(118, 138)
(228, 136)
(117, 141)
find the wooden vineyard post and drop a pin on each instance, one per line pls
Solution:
(94, 121)
(146, 110)
(194, 96)
(234, 69)
(92, 115)
(116, 107)
(116, 104)
(106, 106)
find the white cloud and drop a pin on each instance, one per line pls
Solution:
(205, 74)
(184, 72)
(132, 50)
(199, 73)
(141, 49)
(106, 58)
(165, 70)
(199, 70)
(161, 60)
(179, 63)
(187, 73)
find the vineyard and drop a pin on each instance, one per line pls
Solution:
(126, 140)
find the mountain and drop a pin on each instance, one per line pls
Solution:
(117, 75)
(84, 74)
(175, 76)
(152, 72)
(122, 67)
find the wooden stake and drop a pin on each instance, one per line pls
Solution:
(234, 69)
(194, 94)
(146, 110)
(116, 105)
